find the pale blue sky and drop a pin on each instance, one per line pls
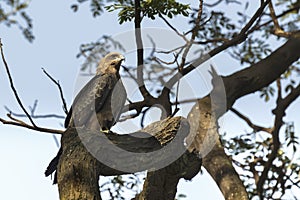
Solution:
(59, 32)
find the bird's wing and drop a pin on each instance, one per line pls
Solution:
(91, 97)
(118, 99)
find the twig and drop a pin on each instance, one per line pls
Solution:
(213, 4)
(194, 34)
(33, 115)
(33, 108)
(13, 87)
(60, 90)
(56, 141)
(143, 116)
(278, 30)
(279, 92)
(126, 69)
(17, 122)
(172, 50)
(256, 128)
(173, 28)
(177, 93)
(211, 41)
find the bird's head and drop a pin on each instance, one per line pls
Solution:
(110, 63)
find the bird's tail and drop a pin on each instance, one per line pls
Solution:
(52, 167)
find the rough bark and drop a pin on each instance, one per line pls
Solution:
(162, 184)
(79, 170)
(206, 141)
(236, 85)
(262, 73)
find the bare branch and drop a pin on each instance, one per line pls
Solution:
(256, 128)
(211, 41)
(60, 90)
(33, 115)
(173, 28)
(194, 34)
(172, 50)
(13, 87)
(213, 4)
(17, 122)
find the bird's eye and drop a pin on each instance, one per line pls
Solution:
(113, 63)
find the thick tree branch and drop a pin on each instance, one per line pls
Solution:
(79, 179)
(252, 79)
(204, 139)
(262, 73)
(140, 49)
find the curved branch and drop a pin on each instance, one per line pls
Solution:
(255, 127)
(65, 108)
(13, 87)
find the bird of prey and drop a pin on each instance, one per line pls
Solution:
(99, 103)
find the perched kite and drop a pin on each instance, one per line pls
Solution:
(99, 103)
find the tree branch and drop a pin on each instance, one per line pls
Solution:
(234, 41)
(256, 128)
(13, 87)
(263, 73)
(34, 116)
(17, 122)
(279, 111)
(65, 108)
(204, 139)
(140, 49)
(73, 173)
(237, 85)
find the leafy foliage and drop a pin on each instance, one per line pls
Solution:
(126, 10)
(16, 15)
(149, 8)
(267, 93)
